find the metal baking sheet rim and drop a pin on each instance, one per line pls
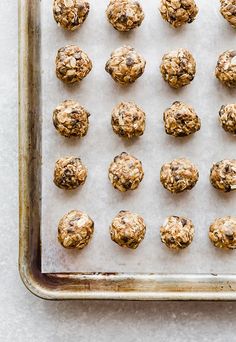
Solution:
(77, 285)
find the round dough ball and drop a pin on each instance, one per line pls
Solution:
(75, 230)
(70, 14)
(128, 229)
(124, 15)
(178, 68)
(178, 12)
(69, 173)
(228, 10)
(222, 232)
(71, 119)
(72, 64)
(179, 175)
(128, 120)
(181, 120)
(177, 232)
(125, 65)
(125, 172)
(228, 118)
(226, 68)
(223, 175)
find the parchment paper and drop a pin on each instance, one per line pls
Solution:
(206, 38)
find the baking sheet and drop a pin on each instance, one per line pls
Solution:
(206, 38)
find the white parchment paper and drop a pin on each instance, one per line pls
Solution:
(206, 38)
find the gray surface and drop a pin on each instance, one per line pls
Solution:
(26, 318)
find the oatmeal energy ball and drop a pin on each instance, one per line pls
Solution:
(71, 119)
(223, 175)
(75, 229)
(177, 232)
(222, 232)
(179, 175)
(125, 65)
(178, 68)
(226, 68)
(178, 12)
(128, 120)
(228, 118)
(228, 10)
(70, 14)
(69, 173)
(125, 172)
(181, 120)
(124, 15)
(127, 229)
(72, 64)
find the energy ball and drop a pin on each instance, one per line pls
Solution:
(125, 65)
(70, 14)
(69, 173)
(125, 172)
(127, 229)
(222, 232)
(75, 230)
(72, 64)
(128, 120)
(228, 10)
(181, 120)
(223, 175)
(178, 12)
(228, 118)
(71, 119)
(177, 232)
(179, 175)
(226, 68)
(124, 15)
(178, 68)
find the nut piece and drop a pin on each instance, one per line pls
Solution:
(177, 232)
(179, 175)
(127, 229)
(228, 118)
(72, 64)
(71, 119)
(178, 12)
(69, 173)
(178, 68)
(125, 65)
(226, 68)
(124, 15)
(75, 230)
(181, 120)
(228, 10)
(223, 175)
(222, 232)
(125, 172)
(70, 14)
(128, 120)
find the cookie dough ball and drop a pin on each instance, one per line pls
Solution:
(228, 118)
(181, 120)
(124, 15)
(178, 12)
(75, 230)
(223, 175)
(70, 14)
(69, 173)
(179, 175)
(226, 68)
(177, 232)
(222, 232)
(71, 119)
(72, 64)
(125, 172)
(228, 10)
(127, 229)
(178, 68)
(125, 65)
(128, 120)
